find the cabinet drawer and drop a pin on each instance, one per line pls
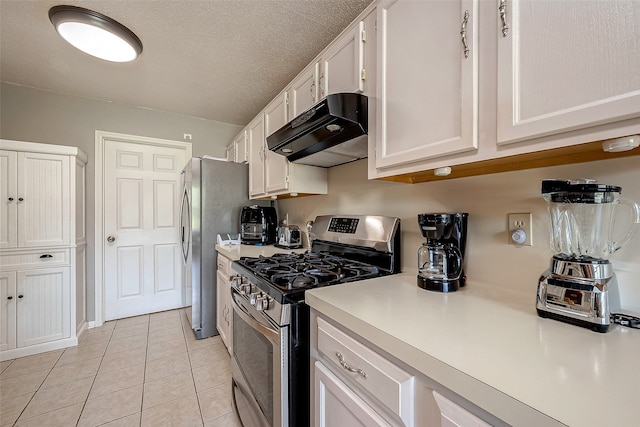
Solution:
(224, 265)
(391, 385)
(36, 259)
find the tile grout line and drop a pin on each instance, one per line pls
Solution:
(37, 390)
(94, 378)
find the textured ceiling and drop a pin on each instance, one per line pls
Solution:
(215, 59)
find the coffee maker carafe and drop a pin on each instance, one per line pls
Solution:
(441, 257)
(580, 286)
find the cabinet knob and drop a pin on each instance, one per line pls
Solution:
(9, 297)
(20, 296)
(11, 199)
(20, 199)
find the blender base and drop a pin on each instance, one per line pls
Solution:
(582, 301)
(440, 285)
(572, 321)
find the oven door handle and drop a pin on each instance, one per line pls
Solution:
(270, 333)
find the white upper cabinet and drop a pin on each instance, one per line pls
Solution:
(427, 80)
(8, 199)
(276, 165)
(255, 136)
(342, 64)
(239, 148)
(566, 65)
(340, 68)
(35, 199)
(303, 91)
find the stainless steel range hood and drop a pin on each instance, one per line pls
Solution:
(332, 132)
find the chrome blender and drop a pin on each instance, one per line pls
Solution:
(580, 286)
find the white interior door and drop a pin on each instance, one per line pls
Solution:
(142, 252)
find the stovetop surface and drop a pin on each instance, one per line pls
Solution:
(289, 275)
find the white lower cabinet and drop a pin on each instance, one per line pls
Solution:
(338, 405)
(8, 298)
(355, 384)
(223, 301)
(453, 415)
(35, 307)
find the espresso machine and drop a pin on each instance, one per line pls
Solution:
(441, 257)
(580, 286)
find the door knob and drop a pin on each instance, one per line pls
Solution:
(111, 239)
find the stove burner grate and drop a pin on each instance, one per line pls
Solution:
(309, 270)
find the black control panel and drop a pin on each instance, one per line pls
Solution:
(344, 225)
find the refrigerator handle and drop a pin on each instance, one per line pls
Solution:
(185, 202)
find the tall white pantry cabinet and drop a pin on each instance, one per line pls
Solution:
(42, 247)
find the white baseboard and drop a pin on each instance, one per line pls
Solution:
(37, 348)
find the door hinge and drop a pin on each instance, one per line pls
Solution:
(363, 74)
(364, 35)
(286, 98)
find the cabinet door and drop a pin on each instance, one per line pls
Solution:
(566, 65)
(43, 212)
(8, 299)
(231, 153)
(255, 131)
(43, 308)
(8, 199)
(337, 405)
(427, 87)
(303, 92)
(240, 147)
(276, 165)
(222, 288)
(342, 65)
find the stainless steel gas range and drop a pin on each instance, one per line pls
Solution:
(270, 363)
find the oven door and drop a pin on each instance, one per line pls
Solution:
(259, 366)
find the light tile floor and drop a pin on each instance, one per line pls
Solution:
(141, 371)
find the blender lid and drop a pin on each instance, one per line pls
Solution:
(577, 186)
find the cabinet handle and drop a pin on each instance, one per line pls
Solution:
(322, 85)
(346, 366)
(9, 297)
(503, 17)
(463, 33)
(312, 91)
(46, 256)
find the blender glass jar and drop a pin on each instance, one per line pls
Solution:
(582, 215)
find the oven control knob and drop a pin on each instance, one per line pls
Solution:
(262, 303)
(254, 297)
(245, 289)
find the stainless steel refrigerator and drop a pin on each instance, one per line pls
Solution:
(214, 192)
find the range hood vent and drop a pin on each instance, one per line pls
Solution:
(330, 133)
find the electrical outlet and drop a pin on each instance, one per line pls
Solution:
(520, 229)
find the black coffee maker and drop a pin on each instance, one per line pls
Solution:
(441, 257)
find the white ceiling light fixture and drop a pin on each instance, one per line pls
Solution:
(95, 34)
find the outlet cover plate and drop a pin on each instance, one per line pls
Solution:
(520, 221)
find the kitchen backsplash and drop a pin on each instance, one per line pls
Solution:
(488, 199)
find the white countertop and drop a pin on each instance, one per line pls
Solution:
(490, 347)
(234, 252)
